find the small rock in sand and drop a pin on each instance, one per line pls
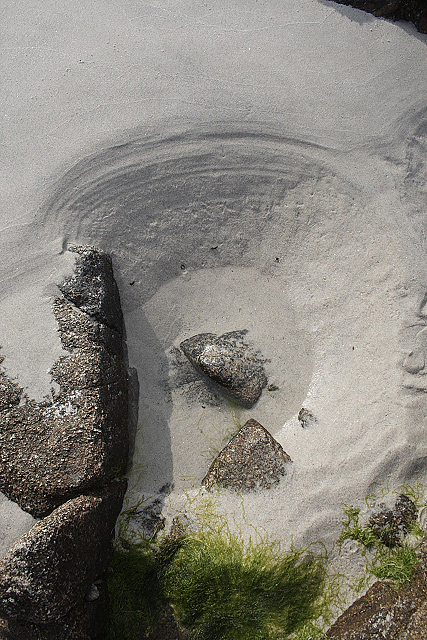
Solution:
(228, 362)
(252, 460)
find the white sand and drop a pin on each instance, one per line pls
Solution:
(326, 174)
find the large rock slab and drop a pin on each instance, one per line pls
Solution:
(252, 460)
(228, 362)
(50, 569)
(77, 440)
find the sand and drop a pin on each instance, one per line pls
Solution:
(248, 166)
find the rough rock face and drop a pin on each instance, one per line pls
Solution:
(252, 460)
(412, 10)
(54, 450)
(49, 571)
(93, 289)
(228, 362)
(391, 523)
(387, 613)
(85, 621)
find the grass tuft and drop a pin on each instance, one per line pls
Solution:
(396, 565)
(393, 563)
(222, 589)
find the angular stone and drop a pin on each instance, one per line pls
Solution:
(54, 450)
(383, 612)
(306, 418)
(228, 362)
(51, 568)
(252, 460)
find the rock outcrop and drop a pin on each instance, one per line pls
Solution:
(252, 460)
(49, 571)
(55, 450)
(58, 461)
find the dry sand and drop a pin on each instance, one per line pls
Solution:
(248, 166)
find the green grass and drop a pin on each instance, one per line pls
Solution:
(353, 530)
(395, 564)
(136, 595)
(222, 589)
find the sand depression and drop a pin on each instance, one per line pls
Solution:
(222, 229)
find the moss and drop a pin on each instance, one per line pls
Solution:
(353, 530)
(222, 589)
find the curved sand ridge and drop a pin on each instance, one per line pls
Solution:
(219, 230)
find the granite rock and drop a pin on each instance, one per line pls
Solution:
(50, 569)
(92, 287)
(78, 439)
(252, 460)
(229, 362)
(383, 612)
(85, 621)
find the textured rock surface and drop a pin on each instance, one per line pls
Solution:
(50, 569)
(85, 621)
(93, 288)
(385, 613)
(392, 522)
(228, 362)
(252, 460)
(78, 440)
(412, 10)
(417, 627)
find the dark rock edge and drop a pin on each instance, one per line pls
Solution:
(414, 11)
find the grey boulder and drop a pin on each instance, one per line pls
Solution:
(228, 362)
(50, 569)
(78, 440)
